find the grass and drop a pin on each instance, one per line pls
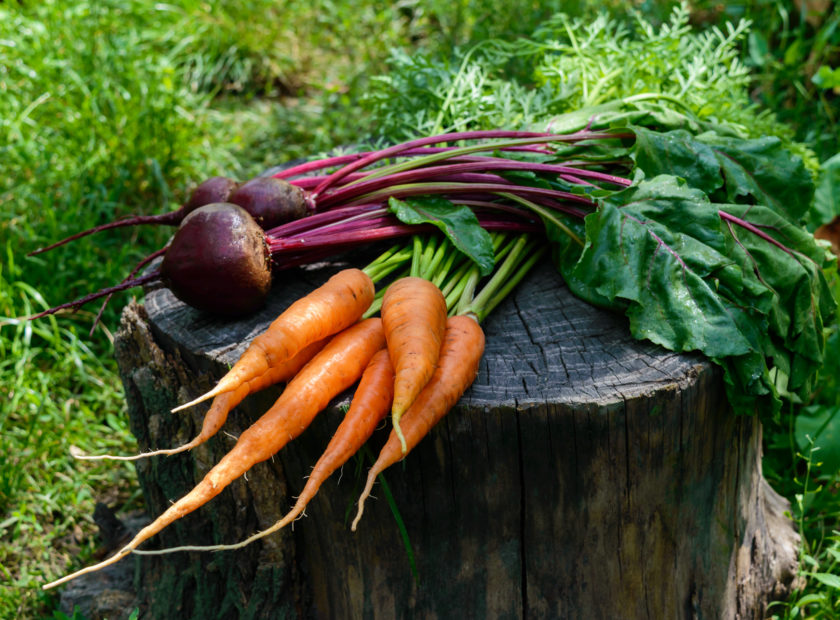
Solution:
(802, 461)
(792, 50)
(114, 107)
(56, 392)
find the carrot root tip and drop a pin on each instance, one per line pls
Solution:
(90, 569)
(211, 394)
(399, 434)
(79, 454)
(364, 496)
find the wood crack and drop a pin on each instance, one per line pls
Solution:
(523, 519)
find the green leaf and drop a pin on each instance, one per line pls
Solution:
(827, 195)
(832, 581)
(680, 154)
(826, 77)
(822, 425)
(653, 249)
(764, 170)
(458, 223)
(749, 293)
(787, 333)
(803, 302)
(729, 169)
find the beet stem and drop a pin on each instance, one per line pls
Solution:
(318, 164)
(414, 189)
(450, 137)
(754, 230)
(319, 219)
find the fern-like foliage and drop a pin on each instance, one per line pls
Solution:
(571, 64)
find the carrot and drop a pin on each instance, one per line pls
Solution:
(370, 404)
(414, 318)
(222, 405)
(329, 373)
(460, 354)
(327, 310)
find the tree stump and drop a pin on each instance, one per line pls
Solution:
(584, 474)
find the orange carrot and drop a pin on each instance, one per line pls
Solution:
(328, 374)
(414, 318)
(462, 348)
(223, 404)
(327, 310)
(370, 404)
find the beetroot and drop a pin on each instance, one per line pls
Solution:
(219, 261)
(214, 189)
(270, 201)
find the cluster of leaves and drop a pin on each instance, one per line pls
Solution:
(572, 64)
(706, 252)
(739, 279)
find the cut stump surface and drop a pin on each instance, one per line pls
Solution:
(585, 474)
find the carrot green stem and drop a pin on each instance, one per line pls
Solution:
(432, 253)
(501, 273)
(383, 257)
(387, 262)
(502, 251)
(386, 269)
(444, 270)
(468, 291)
(507, 275)
(431, 267)
(376, 305)
(417, 246)
(494, 301)
(453, 288)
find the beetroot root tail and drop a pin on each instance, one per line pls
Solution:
(151, 277)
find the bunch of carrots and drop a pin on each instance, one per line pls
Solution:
(413, 361)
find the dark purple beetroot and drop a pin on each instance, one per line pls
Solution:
(219, 261)
(214, 189)
(270, 201)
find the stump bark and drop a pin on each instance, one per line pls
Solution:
(584, 474)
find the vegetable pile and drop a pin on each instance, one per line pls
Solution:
(697, 237)
(648, 205)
